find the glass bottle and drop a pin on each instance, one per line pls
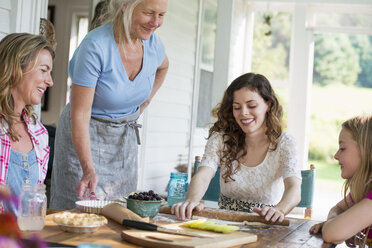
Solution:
(177, 188)
(32, 207)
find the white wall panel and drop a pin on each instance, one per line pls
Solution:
(5, 4)
(169, 158)
(162, 109)
(4, 21)
(173, 96)
(167, 124)
(5, 8)
(159, 140)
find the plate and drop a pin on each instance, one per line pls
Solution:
(79, 229)
(92, 206)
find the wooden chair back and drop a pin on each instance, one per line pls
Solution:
(307, 190)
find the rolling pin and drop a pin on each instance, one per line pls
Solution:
(118, 213)
(221, 214)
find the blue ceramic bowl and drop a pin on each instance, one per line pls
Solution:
(144, 208)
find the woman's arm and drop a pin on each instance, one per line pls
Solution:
(81, 108)
(292, 195)
(348, 223)
(198, 186)
(159, 79)
(290, 199)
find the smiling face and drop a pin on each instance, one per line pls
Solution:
(249, 110)
(147, 16)
(348, 154)
(35, 80)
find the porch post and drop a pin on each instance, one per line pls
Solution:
(301, 73)
(221, 75)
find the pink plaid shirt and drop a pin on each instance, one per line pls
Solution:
(39, 137)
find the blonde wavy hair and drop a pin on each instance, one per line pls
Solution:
(360, 184)
(233, 135)
(17, 51)
(122, 21)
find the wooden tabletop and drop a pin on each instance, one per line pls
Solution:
(294, 235)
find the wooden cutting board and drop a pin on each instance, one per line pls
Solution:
(164, 240)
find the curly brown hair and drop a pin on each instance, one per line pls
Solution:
(17, 51)
(233, 136)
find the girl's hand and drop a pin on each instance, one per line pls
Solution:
(87, 184)
(270, 214)
(184, 209)
(317, 228)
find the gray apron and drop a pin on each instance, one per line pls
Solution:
(114, 147)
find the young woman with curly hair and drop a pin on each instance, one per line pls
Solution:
(259, 165)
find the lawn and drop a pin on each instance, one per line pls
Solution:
(327, 171)
(330, 106)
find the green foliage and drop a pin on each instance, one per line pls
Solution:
(363, 45)
(331, 106)
(271, 52)
(335, 60)
(327, 171)
(322, 147)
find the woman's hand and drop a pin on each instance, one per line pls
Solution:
(317, 228)
(184, 209)
(87, 183)
(144, 105)
(270, 214)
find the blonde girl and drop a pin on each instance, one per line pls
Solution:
(351, 218)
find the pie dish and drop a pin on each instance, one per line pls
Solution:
(79, 222)
(79, 229)
(91, 206)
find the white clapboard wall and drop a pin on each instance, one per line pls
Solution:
(167, 122)
(5, 9)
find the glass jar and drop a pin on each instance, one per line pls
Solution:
(177, 188)
(32, 207)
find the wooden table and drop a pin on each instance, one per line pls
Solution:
(295, 235)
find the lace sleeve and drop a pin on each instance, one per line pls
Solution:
(288, 158)
(213, 148)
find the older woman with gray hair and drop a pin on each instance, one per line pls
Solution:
(115, 72)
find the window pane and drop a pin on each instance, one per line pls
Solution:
(343, 20)
(205, 98)
(209, 32)
(270, 53)
(208, 37)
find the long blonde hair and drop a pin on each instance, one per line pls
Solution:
(17, 51)
(122, 21)
(360, 184)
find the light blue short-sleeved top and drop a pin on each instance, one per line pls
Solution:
(97, 63)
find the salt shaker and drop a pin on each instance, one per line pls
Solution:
(32, 207)
(177, 188)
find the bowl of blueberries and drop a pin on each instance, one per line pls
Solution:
(145, 204)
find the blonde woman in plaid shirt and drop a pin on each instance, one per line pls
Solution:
(25, 74)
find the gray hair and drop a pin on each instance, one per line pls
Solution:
(122, 21)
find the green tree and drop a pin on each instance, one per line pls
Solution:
(272, 32)
(363, 44)
(335, 60)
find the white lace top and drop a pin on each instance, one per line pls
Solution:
(262, 183)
